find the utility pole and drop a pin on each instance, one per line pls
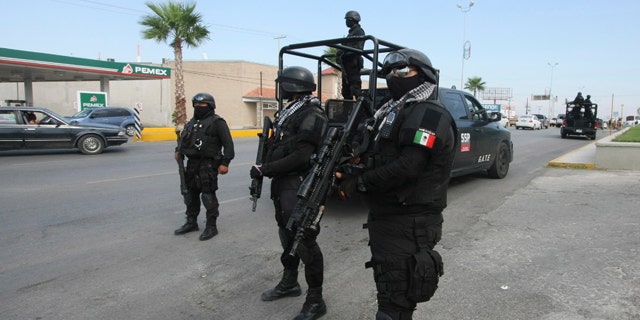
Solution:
(466, 45)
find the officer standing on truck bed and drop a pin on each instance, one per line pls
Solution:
(351, 62)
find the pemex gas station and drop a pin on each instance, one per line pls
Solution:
(27, 67)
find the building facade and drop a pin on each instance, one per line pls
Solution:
(244, 92)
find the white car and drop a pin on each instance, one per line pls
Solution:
(528, 121)
(504, 121)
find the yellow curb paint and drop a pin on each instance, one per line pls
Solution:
(169, 134)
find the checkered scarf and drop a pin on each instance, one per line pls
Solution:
(291, 109)
(419, 93)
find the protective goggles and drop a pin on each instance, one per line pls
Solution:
(396, 62)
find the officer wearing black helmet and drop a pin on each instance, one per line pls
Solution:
(405, 184)
(206, 142)
(351, 62)
(299, 130)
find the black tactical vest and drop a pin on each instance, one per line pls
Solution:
(198, 139)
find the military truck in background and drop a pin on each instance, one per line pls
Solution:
(580, 120)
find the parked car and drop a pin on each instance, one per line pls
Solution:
(528, 121)
(544, 121)
(485, 145)
(118, 116)
(504, 121)
(50, 130)
(560, 119)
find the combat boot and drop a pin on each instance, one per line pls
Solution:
(190, 225)
(287, 287)
(313, 307)
(210, 231)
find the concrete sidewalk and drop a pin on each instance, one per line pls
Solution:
(602, 154)
(583, 158)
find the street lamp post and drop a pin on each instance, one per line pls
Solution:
(464, 40)
(550, 87)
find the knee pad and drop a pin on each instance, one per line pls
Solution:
(210, 201)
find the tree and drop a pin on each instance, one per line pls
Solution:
(178, 23)
(475, 84)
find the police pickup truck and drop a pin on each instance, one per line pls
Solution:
(485, 145)
(580, 120)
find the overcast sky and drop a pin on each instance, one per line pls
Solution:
(514, 44)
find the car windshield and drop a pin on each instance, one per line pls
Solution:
(82, 114)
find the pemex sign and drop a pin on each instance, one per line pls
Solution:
(87, 99)
(152, 71)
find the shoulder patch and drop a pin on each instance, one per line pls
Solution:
(424, 137)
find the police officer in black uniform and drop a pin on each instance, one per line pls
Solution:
(206, 141)
(351, 62)
(578, 101)
(405, 184)
(299, 130)
(588, 113)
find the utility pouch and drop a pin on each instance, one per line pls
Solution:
(425, 267)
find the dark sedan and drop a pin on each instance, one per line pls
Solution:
(485, 145)
(41, 128)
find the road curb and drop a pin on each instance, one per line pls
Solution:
(562, 162)
(169, 134)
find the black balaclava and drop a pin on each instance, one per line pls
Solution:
(350, 23)
(202, 112)
(400, 86)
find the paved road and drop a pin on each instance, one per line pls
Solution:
(90, 237)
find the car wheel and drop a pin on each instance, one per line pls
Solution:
(130, 130)
(500, 166)
(91, 144)
(562, 133)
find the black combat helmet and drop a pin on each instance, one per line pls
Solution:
(354, 15)
(406, 57)
(296, 80)
(204, 97)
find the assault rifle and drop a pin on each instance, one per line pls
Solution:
(255, 190)
(183, 183)
(184, 190)
(313, 191)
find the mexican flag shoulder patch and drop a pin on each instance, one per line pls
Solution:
(425, 138)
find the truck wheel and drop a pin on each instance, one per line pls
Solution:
(500, 166)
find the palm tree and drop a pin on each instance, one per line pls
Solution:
(178, 23)
(475, 84)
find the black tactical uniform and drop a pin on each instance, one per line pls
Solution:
(202, 141)
(578, 101)
(405, 185)
(299, 129)
(588, 113)
(351, 62)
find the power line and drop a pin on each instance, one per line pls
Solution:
(114, 8)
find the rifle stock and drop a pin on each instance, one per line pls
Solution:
(255, 190)
(317, 184)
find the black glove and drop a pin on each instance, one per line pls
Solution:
(255, 172)
(348, 186)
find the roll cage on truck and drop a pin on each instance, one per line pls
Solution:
(485, 144)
